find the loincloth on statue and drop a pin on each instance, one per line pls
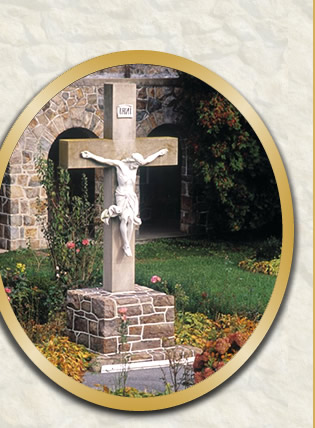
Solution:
(127, 206)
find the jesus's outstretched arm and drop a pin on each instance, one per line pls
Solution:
(151, 158)
(111, 162)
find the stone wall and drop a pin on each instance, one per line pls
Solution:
(94, 320)
(159, 101)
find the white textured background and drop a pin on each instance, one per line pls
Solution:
(261, 47)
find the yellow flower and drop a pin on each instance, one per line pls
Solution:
(21, 267)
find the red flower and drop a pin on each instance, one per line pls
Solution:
(208, 372)
(198, 377)
(217, 365)
(198, 363)
(222, 345)
(8, 290)
(240, 338)
(155, 279)
(85, 242)
(77, 250)
(122, 311)
(70, 245)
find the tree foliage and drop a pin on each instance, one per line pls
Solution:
(236, 180)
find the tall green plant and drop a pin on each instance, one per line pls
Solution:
(71, 220)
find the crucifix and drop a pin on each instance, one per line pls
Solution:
(120, 153)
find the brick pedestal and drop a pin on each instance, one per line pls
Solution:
(93, 319)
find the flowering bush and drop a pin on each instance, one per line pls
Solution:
(71, 221)
(34, 299)
(220, 339)
(197, 329)
(67, 356)
(270, 267)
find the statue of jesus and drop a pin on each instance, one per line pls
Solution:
(127, 204)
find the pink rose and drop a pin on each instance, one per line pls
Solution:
(85, 242)
(8, 290)
(122, 311)
(9, 298)
(77, 250)
(155, 279)
(70, 245)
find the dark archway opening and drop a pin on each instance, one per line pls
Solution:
(75, 174)
(160, 190)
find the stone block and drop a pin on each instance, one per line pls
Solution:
(91, 317)
(16, 220)
(22, 179)
(83, 339)
(124, 347)
(135, 330)
(31, 232)
(103, 346)
(133, 310)
(86, 306)
(170, 315)
(147, 309)
(11, 232)
(146, 344)
(32, 192)
(28, 220)
(126, 300)
(16, 192)
(109, 328)
(80, 324)
(4, 218)
(70, 319)
(73, 300)
(93, 328)
(154, 318)
(168, 342)
(34, 181)
(163, 300)
(158, 330)
(103, 307)
(141, 356)
(16, 158)
(24, 208)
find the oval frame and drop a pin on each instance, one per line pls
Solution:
(212, 79)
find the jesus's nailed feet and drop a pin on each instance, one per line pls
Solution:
(127, 250)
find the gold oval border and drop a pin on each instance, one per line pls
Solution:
(212, 79)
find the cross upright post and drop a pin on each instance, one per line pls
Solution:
(119, 143)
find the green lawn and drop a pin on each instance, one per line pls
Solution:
(203, 267)
(199, 266)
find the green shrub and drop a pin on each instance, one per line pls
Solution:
(269, 249)
(71, 220)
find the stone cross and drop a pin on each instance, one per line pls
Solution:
(119, 143)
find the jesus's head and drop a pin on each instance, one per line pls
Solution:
(135, 160)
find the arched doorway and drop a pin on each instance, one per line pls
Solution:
(160, 190)
(75, 174)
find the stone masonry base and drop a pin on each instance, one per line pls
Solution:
(94, 320)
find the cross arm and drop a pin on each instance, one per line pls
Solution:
(150, 146)
(70, 153)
